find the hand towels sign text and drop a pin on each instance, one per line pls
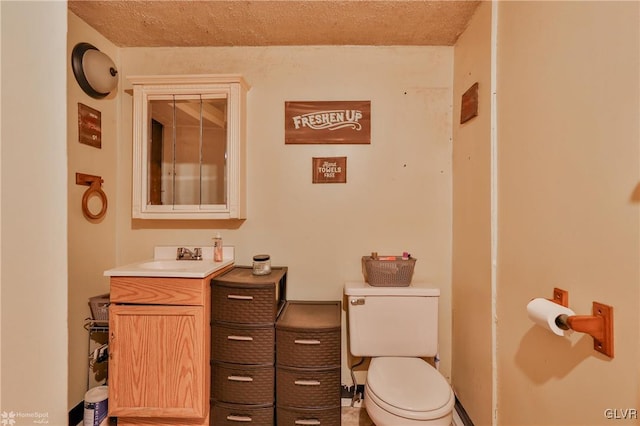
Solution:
(329, 170)
(327, 122)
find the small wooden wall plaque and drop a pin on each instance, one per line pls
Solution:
(89, 126)
(469, 107)
(329, 169)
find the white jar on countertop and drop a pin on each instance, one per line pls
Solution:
(261, 264)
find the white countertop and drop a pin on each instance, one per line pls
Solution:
(164, 264)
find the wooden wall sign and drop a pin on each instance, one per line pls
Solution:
(469, 106)
(327, 122)
(89, 126)
(329, 169)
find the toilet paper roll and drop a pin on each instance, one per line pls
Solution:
(544, 313)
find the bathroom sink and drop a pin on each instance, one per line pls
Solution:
(161, 264)
(164, 264)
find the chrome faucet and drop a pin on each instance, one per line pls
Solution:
(186, 254)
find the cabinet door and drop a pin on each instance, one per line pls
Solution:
(158, 361)
(189, 146)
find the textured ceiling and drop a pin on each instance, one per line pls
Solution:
(268, 23)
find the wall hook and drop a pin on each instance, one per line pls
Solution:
(95, 188)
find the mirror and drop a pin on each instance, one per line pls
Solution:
(188, 147)
(188, 151)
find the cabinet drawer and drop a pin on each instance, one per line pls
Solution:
(243, 305)
(308, 334)
(239, 414)
(308, 348)
(308, 388)
(159, 291)
(243, 384)
(288, 416)
(243, 344)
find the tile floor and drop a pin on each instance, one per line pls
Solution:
(350, 417)
(358, 417)
(355, 417)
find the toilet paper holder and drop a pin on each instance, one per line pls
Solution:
(599, 325)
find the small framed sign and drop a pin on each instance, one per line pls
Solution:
(469, 105)
(327, 122)
(329, 169)
(89, 126)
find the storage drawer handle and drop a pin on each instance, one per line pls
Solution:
(236, 418)
(239, 297)
(306, 342)
(240, 379)
(307, 382)
(240, 338)
(307, 422)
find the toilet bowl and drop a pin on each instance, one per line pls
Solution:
(403, 391)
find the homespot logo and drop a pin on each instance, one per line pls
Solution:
(11, 418)
(621, 413)
(331, 120)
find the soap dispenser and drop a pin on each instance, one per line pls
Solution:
(217, 248)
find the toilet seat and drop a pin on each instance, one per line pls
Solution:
(409, 388)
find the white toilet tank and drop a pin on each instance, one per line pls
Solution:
(392, 321)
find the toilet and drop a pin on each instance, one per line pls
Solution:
(396, 326)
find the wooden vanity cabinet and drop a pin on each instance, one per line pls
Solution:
(159, 350)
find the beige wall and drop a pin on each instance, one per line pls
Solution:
(92, 243)
(471, 255)
(568, 172)
(33, 275)
(398, 191)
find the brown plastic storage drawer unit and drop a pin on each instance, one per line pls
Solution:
(244, 310)
(240, 297)
(308, 337)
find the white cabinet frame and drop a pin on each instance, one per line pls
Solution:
(231, 87)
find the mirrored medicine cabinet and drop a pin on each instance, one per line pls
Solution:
(189, 147)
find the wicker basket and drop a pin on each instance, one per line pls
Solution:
(388, 271)
(100, 307)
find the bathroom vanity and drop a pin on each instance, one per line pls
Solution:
(159, 341)
(202, 342)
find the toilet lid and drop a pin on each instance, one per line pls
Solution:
(409, 387)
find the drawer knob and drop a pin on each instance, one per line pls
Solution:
(307, 422)
(240, 379)
(239, 297)
(306, 342)
(307, 382)
(240, 338)
(235, 418)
